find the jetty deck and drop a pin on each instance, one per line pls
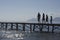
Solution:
(2, 24)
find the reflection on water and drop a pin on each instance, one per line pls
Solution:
(18, 35)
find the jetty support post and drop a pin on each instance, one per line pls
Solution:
(11, 26)
(48, 28)
(34, 27)
(41, 28)
(30, 28)
(1, 25)
(23, 27)
(6, 26)
(17, 27)
(53, 29)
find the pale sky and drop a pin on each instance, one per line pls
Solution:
(23, 10)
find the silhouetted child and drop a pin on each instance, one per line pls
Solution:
(38, 17)
(51, 19)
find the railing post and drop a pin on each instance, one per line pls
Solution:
(23, 27)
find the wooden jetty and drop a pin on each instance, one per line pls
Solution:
(5, 24)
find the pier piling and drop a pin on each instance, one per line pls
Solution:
(53, 29)
(23, 27)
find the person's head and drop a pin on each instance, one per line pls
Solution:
(46, 15)
(51, 17)
(39, 14)
(43, 14)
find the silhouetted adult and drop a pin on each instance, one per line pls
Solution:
(51, 19)
(46, 18)
(43, 18)
(38, 17)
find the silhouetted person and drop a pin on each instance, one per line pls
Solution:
(51, 19)
(38, 17)
(46, 18)
(43, 18)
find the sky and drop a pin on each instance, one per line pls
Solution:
(23, 10)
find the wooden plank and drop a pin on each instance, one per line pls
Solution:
(32, 23)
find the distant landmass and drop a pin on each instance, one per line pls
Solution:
(55, 20)
(33, 19)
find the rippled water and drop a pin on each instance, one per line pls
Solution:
(21, 35)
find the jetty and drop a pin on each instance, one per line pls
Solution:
(5, 24)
